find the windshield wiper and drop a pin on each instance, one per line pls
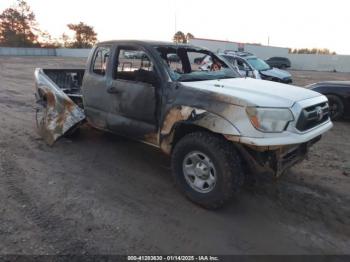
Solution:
(191, 79)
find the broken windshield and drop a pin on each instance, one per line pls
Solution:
(189, 64)
(258, 64)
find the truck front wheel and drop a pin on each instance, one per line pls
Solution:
(207, 169)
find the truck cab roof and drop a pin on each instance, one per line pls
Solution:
(150, 43)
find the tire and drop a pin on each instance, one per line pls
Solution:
(336, 107)
(225, 164)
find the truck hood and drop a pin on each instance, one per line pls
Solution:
(253, 92)
(275, 72)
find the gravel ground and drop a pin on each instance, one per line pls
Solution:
(303, 78)
(103, 194)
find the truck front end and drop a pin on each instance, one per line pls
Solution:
(277, 138)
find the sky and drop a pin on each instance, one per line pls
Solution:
(287, 23)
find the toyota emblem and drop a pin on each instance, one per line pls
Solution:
(319, 113)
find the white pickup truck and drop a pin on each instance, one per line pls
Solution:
(217, 126)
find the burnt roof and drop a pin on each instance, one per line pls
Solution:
(149, 43)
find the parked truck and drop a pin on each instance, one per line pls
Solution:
(218, 127)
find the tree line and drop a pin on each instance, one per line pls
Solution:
(180, 37)
(316, 51)
(19, 28)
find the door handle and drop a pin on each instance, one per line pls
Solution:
(114, 90)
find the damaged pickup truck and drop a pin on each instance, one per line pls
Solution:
(217, 126)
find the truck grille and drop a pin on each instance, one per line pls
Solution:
(312, 116)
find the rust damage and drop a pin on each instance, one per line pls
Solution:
(151, 138)
(195, 116)
(166, 144)
(56, 113)
(177, 114)
(209, 119)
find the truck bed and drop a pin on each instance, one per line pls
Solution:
(59, 101)
(69, 81)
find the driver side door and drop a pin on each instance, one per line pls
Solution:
(133, 88)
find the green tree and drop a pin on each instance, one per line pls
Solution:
(179, 37)
(318, 51)
(18, 26)
(85, 36)
(189, 36)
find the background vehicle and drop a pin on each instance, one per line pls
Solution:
(199, 60)
(133, 55)
(338, 94)
(278, 62)
(174, 58)
(216, 125)
(256, 67)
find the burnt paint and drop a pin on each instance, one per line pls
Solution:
(56, 113)
(145, 111)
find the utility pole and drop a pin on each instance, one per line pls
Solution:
(175, 17)
(175, 22)
(268, 40)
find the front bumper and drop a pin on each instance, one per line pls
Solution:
(275, 162)
(283, 139)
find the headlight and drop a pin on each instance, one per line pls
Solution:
(269, 119)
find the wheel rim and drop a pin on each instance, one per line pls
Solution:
(199, 172)
(333, 108)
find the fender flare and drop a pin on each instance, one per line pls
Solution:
(194, 116)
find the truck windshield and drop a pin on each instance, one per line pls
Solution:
(258, 64)
(187, 64)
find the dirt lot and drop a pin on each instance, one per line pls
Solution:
(103, 194)
(303, 78)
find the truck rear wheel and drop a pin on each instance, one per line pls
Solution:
(207, 169)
